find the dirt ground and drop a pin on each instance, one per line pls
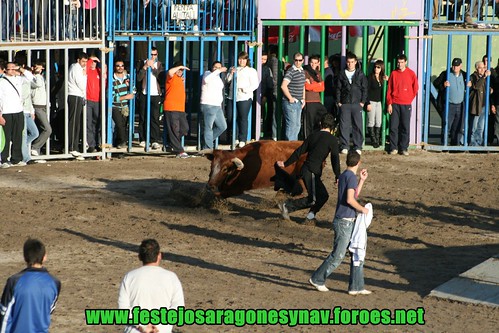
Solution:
(435, 216)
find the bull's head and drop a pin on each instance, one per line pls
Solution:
(225, 166)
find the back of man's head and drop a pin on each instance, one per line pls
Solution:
(327, 121)
(148, 251)
(353, 158)
(34, 252)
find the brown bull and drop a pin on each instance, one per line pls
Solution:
(251, 167)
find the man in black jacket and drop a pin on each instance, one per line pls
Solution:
(351, 94)
(318, 146)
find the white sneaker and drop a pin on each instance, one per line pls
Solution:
(359, 151)
(394, 152)
(5, 165)
(236, 142)
(34, 152)
(155, 146)
(241, 144)
(75, 153)
(318, 286)
(344, 151)
(360, 292)
(20, 164)
(142, 144)
(80, 158)
(183, 155)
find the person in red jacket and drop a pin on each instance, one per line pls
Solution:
(314, 85)
(402, 89)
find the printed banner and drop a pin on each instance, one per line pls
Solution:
(341, 10)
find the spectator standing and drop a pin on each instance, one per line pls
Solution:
(455, 84)
(495, 108)
(150, 287)
(267, 97)
(121, 107)
(77, 89)
(90, 19)
(247, 83)
(318, 146)
(30, 296)
(11, 113)
(174, 109)
(293, 100)
(374, 107)
(94, 76)
(39, 99)
(212, 97)
(148, 74)
(314, 85)
(343, 226)
(30, 131)
(477, 103)
(351, 94)
(402, 89)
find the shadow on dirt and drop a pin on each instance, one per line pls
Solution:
(188, 260)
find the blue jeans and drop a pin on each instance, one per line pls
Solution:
(292, 117)
(214, 124)
(478, 129)
(30, 133)
(343, 230)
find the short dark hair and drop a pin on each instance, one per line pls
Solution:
(148, 251)
(314, 57)
(214, 63)
(2, 64)
(178, 63)
(33, 251)
(39, 62)
(353, 158)
(402, 57)
(82, 55)
(351, 55)
(327, 121)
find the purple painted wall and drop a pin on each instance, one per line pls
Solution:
(341, 10)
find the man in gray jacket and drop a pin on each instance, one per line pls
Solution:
(39, 99)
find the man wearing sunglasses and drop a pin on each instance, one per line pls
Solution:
(293, 101)
(148, 74)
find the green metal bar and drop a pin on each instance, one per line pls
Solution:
(365, 43)
(339, 23)
(324, 37)
(365, 64)
(406, 46)
(278, 110)
(302, 39)
(388, 68)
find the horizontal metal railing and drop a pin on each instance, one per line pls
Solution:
(471, 13)
(52, 21)
(181, 16)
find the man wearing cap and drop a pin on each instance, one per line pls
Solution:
(451, 85)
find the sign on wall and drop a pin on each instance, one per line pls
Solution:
(341, 10)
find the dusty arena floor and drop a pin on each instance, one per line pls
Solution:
(435, 216)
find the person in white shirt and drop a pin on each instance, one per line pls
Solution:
(77, 91)
(246, 83)
(150, 287)
(212, 97)
(11, 113)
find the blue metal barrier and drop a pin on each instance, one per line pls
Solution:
(181, 16)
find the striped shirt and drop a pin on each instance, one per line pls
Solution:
(296, 78)
(120, 88)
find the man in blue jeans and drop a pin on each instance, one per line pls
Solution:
(212, 97)
(293, 99)
(343, 225)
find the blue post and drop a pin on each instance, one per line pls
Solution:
(447, 92)
(469, 66)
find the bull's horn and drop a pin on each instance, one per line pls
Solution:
(239, 164)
